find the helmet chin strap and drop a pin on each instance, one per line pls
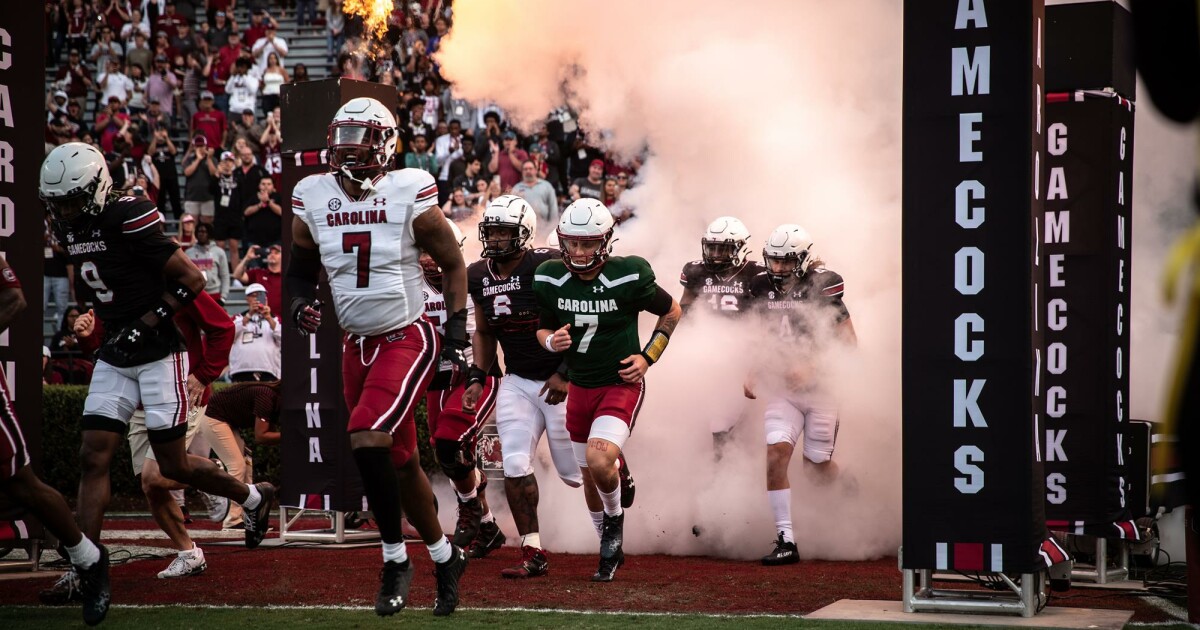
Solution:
(365, 184)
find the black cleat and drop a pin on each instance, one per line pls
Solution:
(448, 574)
(94, 587)
(611, 555)
(490, 538)
(628, 488)
(64, 591)
(534, 563)
(258, 520)
(394, 580)
(467, 529)
(784, 553)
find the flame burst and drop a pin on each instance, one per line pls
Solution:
(375, 13)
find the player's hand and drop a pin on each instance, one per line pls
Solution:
(195, 391)
(130, 341)
(456, 344)
(555, 389)
(85, 324)
(748, 389)
(560, 341)
(636, 370)
(471, 397)
(306, 315)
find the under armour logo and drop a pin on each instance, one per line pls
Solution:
(396, 601)
(95, 233)
(380, 201)
(134, 334)
(597, 289)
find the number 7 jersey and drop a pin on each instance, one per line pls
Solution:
(368, 247)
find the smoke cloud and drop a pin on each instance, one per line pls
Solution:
(774, 112)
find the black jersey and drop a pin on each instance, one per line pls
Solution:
(512, 312)
(814, 304)
(121, 255)
(726, 293)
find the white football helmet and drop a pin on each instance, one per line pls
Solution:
(74, 182)
(789, 242)
(725, 244)
(586, 220)
(429, 266)
(552, 240)
(507, 211)
(362, 140)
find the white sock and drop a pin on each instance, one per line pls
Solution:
(597, 520)
(85, 554)
(487, 517)
(440, 551)
(611, 501)
(781, 505)
(533, 539)
(190, 552)
(468, 496)
(395, 552)
(253, 499)
(179, 498)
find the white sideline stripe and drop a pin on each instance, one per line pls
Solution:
(567, 611)
(157, 534)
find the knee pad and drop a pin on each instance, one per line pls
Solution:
(611, 429)
(818, 456)
(580, 449)
(517, 465)
(778, 437)
(456, 461)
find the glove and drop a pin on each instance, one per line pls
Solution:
(130, 341)
(306, 315)
(456, 341)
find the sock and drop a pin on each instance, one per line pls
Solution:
(468, 496)
(611, 501)
(85, 554)
(190, 552)
(395, 552)
(487, 518)
(781, 505)
(382, 487)
(254, 499)
(440, 551)
(532, 539)
(597, 520)
(179, 498)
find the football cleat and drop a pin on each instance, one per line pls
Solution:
(258, 520)
(628, 488)
(611, 554)
(784, 553)
(534, 563)
(64, 591)
(218, 507)
(94, 586)
(394, 580)
(489, 539)
(187, 563)
(448, 574)
(469, 513)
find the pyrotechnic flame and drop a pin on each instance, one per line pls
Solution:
(374, 12)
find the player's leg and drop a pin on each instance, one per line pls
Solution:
(454, 444)
(783, 424)
(112, 397)
(820, 438)
(165, 508)
(616, 412)
(580, 408)
(519, 424)
(230, 449)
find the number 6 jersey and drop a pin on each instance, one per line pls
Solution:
(367, 246)
(511, 310)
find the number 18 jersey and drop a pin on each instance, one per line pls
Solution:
(368, 247)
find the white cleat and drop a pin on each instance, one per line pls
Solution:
(185, 564)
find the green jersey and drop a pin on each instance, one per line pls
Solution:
(602, 312)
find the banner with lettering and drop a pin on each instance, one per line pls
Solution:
(1085, 265)
(973, 141)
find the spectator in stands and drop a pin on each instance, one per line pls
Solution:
(194, 79)
(208, 122)
(218, 9)
(456, 207)
(459, 166)
(263, 212)
(420, 156)
(148, 179)
(58, 272)
(218, 32)
(270, 276)
(163, 152)
(183, 40)
(270, 42)
(242, 88)
(136, 24)
(335, 29)
(104, 51)
(506, 161)
(187, 231)
(138, 53)
(222, 68)
(488, 136)
(199, 170)
(232, 410)
(110, 122)
(306, 13)
(244, 127)
(78, 20)
(228, 227)
(539, 193)
(551, 157)
(248, 173)
(259, 21)
(137, 94)
(211, 260)
(59, 131)
(440, 27)
(169, 21)
(64, 344)
(460, 109)
(433, 101)
(271, 142)
(273, 76)
(114, 83)
(121, 167)
(299, 73)
(415, 124)
(256, 354)
(75, 78)
(591, 186)
(162, 84)
(447, 148)
(162, 46)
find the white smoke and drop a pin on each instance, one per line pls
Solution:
(774, 112)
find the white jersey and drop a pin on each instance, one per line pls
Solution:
(368, 247)
(435, 310)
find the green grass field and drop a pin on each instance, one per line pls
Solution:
(291, 618)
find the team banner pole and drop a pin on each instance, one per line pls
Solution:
(973, 142)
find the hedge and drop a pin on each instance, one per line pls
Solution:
(63, 406)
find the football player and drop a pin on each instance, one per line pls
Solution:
(18, 481)
(589, 310)
(720, 283)
(803, 308)
(140, 279)
(454, 427)
(365, 224)
(534, 386)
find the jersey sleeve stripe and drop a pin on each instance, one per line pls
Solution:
(151, 212)
(141, 223)
(428, 191)
(835, 290)
(297, 203)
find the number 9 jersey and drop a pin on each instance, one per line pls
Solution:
(368, 247)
